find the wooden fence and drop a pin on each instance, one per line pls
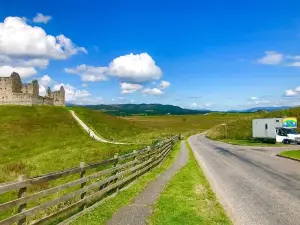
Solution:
(96, 181)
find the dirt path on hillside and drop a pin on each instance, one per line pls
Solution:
(92, 133)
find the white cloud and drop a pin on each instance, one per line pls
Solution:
(195, 105)
(18, 39)
(88, 101)
(294, 64)
(24, 72)
(23, 48)
(72, 94)
(40, 18)
(152, 91)
(128, 68)
(89, 73)
(290, 93)
(271, 58)
(130, 88)
(253, 98)
(84, 85)
(164, 84)
(135, 68)
(44, 83)
(19, 62)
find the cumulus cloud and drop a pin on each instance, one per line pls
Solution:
(164, 84)
(271, 58)
(89, 73)
(152, 91)
(18, 39)
(136, 68)
(24, 72)
(127, 88)
(72, 94)
(292, 92)
(44, 83)
(128, 68)
(84, 85)
(40, 18)
(253, 98)
(23, 48)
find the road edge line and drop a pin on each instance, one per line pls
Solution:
(213, 184)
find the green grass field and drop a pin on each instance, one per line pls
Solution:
(185, 125)
(41, 139)
(241, 129)
(32, 137)
(106, 210)
(188, 199)
(294, 154)
(37, 140)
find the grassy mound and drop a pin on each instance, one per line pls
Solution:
(241, 129)
(40, 139)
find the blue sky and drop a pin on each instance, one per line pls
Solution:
(196, 54)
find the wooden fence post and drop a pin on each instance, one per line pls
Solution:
(82, 175)
(115, 165)
(148, 150)
(21, 194)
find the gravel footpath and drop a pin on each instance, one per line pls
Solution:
(137, 212)
(91, 132)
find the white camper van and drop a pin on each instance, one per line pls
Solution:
(279, 129)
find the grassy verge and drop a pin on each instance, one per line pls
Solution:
(251, 143)
(188, 199)
(105, 211)
(294, 154)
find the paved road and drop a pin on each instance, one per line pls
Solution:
(140, 209)
(255, 186)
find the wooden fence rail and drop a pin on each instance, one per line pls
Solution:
(110, 175)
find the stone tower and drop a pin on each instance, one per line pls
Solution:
(58, 97)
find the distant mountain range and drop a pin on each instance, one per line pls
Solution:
(159, 109)
(268, 109)
(144, 109)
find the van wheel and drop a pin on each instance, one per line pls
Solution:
(286, 141)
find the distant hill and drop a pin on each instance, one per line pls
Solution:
(144, 109)
(262, 108)
(268, 109)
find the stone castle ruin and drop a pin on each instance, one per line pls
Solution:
(13, 92)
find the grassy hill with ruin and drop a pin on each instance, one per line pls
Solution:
(241, 129)
(41, 139)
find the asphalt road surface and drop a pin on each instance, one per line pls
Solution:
(254, 185)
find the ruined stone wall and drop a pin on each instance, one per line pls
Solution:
(21, 99)
(27, 88)
(48, 101)
(16, 83)
(5, 89)
(13, 92)
(58, 98)
(37, 100)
